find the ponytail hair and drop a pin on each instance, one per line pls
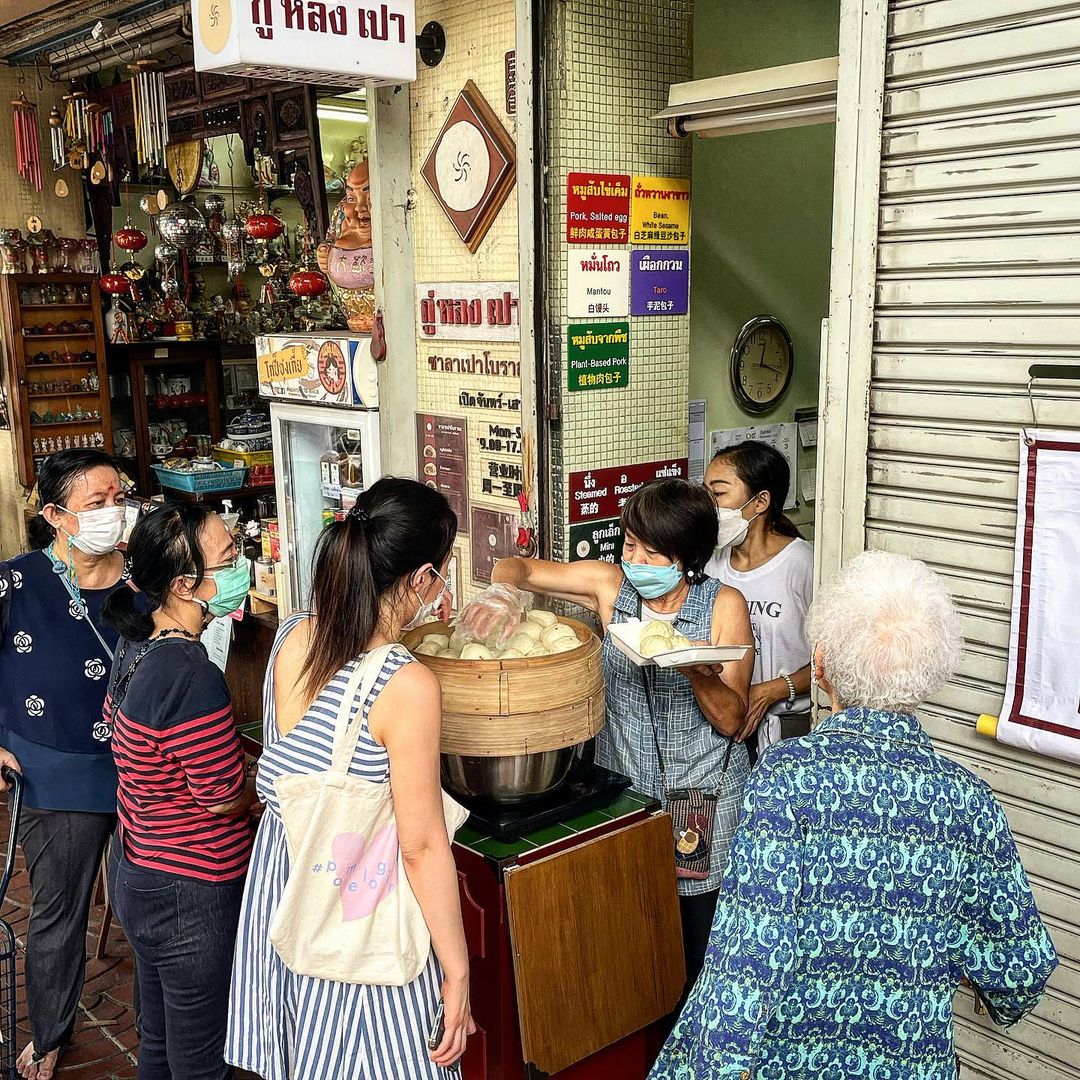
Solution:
(164, 545)
(763, 468)
(396, 527)
(56, 476)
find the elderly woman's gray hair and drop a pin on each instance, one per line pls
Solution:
(889, 632)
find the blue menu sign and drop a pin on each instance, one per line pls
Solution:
(660, 282)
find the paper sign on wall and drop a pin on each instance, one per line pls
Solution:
(659, 282)
(782, 437)
(597, 208)
(597, 283)
(597, 355)
(660, 213)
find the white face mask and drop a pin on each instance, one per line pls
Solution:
(733, 526)
(99, 530)
(426, 610)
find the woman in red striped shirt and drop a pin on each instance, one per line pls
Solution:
(184, 837)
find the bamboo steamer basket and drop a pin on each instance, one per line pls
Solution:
(503, 708)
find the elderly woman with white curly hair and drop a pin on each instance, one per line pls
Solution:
(869, 875)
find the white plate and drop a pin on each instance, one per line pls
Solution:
(627, 638)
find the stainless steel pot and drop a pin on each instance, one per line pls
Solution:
(508, 780)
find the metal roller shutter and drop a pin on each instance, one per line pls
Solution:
(978, 277)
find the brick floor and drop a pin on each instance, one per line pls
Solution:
(105, 1045)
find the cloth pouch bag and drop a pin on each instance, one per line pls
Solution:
(347, 912)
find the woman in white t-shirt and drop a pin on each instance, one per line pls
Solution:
(763, 555)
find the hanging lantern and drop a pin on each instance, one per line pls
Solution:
(262, 226)
(181, 224)
(130, 238)
(114, 283)
(27, 143)
(307, 283)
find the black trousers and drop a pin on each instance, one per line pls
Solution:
(63, 852)
(697, 917)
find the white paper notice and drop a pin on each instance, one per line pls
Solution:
(808, 433)
(217, 638)
(808, 484)
(782, 437)
(697, 442)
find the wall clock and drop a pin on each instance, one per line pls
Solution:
(762, 363)
(471, 166)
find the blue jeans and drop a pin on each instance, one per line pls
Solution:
(182, 932)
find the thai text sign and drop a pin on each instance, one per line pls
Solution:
(661, 211)
(597, 283)
(307, 40)
(597, 208)
(468, 310)
(597, 355)
(659, 282)
(601, 540)
(602, 493)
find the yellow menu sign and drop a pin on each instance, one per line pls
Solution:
(283, 365)
(660, 210)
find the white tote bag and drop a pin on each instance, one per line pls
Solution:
(347, 912)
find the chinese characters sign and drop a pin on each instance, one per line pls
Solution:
(601, 540)
(659, 282)
(597, 208)
(468, 310)
(602, 493)
(498, 452)
(661, 211)
(597, 355)
(597, 283)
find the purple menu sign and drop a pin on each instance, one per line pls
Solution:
(660, 282)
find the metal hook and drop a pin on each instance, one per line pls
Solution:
(1029, 440)
(37, 72)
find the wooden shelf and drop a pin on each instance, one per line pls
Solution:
(64, 364)
(66, 423)
(79, 304)
(53, 337)
(62, 393)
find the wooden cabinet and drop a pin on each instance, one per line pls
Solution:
(54, 356)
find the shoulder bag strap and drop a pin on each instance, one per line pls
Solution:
(360, 684)
(81, 604)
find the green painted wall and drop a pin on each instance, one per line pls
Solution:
(762, 209)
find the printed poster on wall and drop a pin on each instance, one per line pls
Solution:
(1041, 711)
(441, 454)
(602, 493)
(597, 355)
(659, 282)
(782, 437)
(494, 536)
(597, 208)
(597, 283)
(660, 213)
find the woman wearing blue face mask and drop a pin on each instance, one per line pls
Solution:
(694, 715)
(178, 860)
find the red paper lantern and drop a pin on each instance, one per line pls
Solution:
(307, 283)
(114, 283)
(264, 226)
(130, 238)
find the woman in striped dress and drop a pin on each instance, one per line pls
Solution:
(377, 573)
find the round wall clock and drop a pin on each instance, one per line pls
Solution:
(762, 363)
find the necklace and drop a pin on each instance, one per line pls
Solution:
(177, 630)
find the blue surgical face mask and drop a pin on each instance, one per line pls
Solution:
(652, 581)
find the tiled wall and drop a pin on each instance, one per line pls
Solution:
(478, 37)
(18, 201)
(610, 63)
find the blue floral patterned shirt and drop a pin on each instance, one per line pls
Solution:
(868, 875)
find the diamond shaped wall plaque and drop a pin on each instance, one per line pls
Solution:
(471, 168)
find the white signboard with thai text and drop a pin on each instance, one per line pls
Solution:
(468, 310)
(309, 41)
(597, 283)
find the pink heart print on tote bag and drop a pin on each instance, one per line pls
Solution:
(347, 912)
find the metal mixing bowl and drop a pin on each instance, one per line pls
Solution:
(508, 780)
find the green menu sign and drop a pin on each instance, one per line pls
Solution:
(597, 355)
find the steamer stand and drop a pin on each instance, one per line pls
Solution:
(568, 896)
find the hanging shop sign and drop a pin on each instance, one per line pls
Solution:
(597, 355)
(1041, 711)
(307, 41)
(601, 540)
(659, 282)
(597, 208)
(602, 493)
(660, 213)
(493, 537)
(441, 451)
(468, 310)
(597, 283)
(331, 371)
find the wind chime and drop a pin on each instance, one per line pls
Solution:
(27, 142)
(76, 128)
(56, 135)
(151, 113)
(99, 130)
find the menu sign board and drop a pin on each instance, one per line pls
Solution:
(602, 493)
(601, 540)
(661, 211)
(494, 537)
(597, 208)
(441, 455)
(659, 282)
(597, 355)
(597, 283)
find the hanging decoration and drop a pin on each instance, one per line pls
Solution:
(99, 130)
(56, 136)
(263, 226)
(182, 225)
(27, 143)
(114, 283)
(151, 114)
(130, 238)
(76, 128)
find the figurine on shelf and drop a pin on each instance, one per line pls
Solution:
(346, 257)
(13, 251)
